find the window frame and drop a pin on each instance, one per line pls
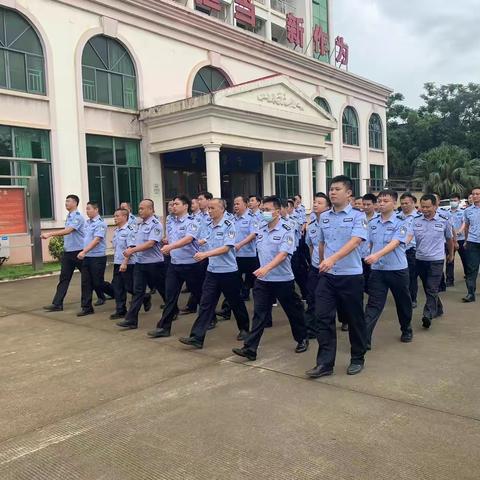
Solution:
(287, 181)
(197, 93)
(347, 166)
(116, 168)
(350, 131)
(322, 102)
(375, 135)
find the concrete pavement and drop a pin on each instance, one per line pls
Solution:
(81, 399)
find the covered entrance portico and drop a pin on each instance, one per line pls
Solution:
(227, 141)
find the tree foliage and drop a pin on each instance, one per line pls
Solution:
(450, 116)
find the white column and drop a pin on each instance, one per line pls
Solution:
(321, 178)
(214, 179)
(306, 181)
(268, 179)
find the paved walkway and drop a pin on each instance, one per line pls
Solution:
(80, 399)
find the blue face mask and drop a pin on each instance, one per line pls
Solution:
(267, 216)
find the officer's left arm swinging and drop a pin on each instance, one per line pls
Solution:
(199, 256)
(328, 263)
(375, 257)
(277, 260)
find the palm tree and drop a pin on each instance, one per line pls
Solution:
(447, 169)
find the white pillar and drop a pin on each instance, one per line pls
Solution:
(321, 178)
(306, 181)
(268, 179)
(212, 160)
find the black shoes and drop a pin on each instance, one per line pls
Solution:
(99, 302)
(127, 324)
(213, 324)
(53, 308)
(469, 298)
(319, 371)
(159, 333)
(344, 327)
(186, 311)
(426, 322)
(223, 314)
(147, 304)
(116, 315)
(192, 341)
(369, 346)
(302, 346)
(450, 284)
(354, 368)
(242, 335)
(406, 337)
(414, 304)
(83, 313)
(245, 353)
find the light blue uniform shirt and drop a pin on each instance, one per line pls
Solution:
(430, 236)
(381, 233)
(270, 243)
(245, 225)
(203, 219)
(364, 247)
(472, 219)
(73, 242)
(313, 239)
(96, 227)
(149, 229)
(257, 215)
(181, 228)
(302, 214)
(336, 229)
(457, 222)
(292, 220)
(123, 237)
(220, 235)
(168, 224)
(409, 221)
(132, 220)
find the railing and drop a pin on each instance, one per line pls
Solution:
(397, 184)
(282, 6)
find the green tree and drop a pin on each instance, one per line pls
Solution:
(447, 169)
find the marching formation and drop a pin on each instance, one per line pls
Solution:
(346, 250)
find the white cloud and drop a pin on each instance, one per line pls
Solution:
(405, 43)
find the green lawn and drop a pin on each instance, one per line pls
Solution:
(12, 272)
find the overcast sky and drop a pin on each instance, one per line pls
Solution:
(405, 43)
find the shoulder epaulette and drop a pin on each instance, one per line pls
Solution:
(251, 214)
(357, 209)
(442, 215)
(100, 218)
(286, 227)
(228, 223)
(400, 217)
(77, 213)
(154, 220)
(313, 221)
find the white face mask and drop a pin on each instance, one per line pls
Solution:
(454, 204)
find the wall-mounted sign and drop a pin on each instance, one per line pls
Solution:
(13, 211)
(295, 29)
(320, 41)
(245, 12)
(341, 52)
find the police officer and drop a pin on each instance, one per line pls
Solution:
(472, 247)
(182, 246)
(254, 202)
(123, 267)
(94, 256)
(431, 230)
(321, 204)
(369, 202)
(458, 223)
(221, 277)
(132, 219)
(274, 278)
(303, 250)
(73, 235)
(340, 282)
(387, 235)
(408, 213)
(149, 262)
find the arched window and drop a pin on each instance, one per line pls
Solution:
(108, 73)
(350, 126)
(324, 104)
(22, 64)
(375, 132)
(208, 80)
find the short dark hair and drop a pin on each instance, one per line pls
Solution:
(324, 196)
(455, 195)
(152, 204)
(206, 195)
(93, 204)
(297, 195)
(185, 200)
(390, 193)
(256, 197)
(370, 197)
(74, 198)
(475, 188)
(244, 199)
(272, 199)
(124, 211)
(405, 195)
(429, 196)
(347, 181)
(290, 202)
(128, 203)
(359, 198)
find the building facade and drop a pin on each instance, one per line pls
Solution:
(151, 98)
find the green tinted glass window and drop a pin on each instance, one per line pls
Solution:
(114, 171)
(108, 73)
(350, 127)
(208, 80)
(286, 179)
(324, 104)
(352, 170)
(22, 64)
(375, 132)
